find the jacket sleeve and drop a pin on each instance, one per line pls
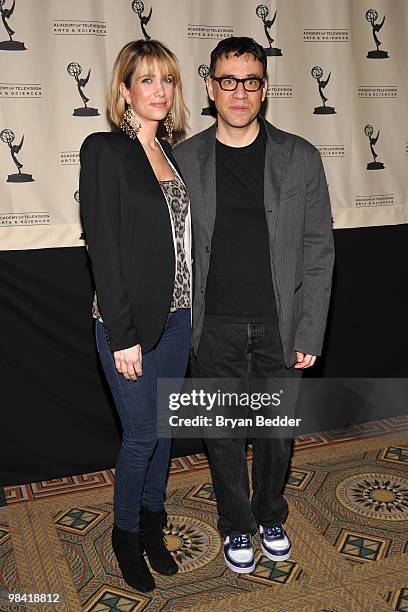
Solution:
(318, 259)
(100, 212)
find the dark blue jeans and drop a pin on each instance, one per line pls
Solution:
(248, 351)
(143, 460)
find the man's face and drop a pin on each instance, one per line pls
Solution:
(237, 108)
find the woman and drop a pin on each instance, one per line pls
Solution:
(135, 212)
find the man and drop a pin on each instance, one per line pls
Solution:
(263, 267)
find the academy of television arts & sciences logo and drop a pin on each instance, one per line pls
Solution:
(372, 16)
(317, 73)
(138, 8)
(5, 14)
(374, 165)
(262, 12)
(74, 69)
(7, 136)
(204, 71)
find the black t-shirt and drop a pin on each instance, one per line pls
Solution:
(239, 283)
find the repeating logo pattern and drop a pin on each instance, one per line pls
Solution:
(319, 37)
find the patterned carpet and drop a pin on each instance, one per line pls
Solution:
(348, 499)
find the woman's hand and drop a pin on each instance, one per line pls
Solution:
(129, 362)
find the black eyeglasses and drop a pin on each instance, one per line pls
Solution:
(231, 83)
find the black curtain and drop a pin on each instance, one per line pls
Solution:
(57, 417)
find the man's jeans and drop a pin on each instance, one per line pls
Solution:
(245, 350)
(143, 460)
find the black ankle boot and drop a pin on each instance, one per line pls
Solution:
(151, 534)
(128, 550)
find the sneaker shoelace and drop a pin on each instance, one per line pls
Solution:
(273, 532)
(240, 541)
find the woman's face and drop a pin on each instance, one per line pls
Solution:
(150, 94)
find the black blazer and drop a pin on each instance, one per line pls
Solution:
(128, 232)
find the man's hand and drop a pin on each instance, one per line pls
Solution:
(304, 361)
(129, 362)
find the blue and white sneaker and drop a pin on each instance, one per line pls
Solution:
(239, 553)
(275, 543)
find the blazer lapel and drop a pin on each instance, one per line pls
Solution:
(206, 158)
(276, 164)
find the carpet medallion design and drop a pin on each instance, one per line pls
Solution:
(192, 542)
(375, 495)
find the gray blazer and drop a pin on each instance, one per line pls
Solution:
(298, 215)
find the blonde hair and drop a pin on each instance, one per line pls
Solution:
(126, 64)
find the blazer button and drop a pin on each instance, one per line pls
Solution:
(202, 289)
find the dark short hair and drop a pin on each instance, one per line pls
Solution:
(238, 45)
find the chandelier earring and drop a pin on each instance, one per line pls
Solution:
(130, 124)
(169, 125)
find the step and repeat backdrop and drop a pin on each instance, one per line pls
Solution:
(336, 76)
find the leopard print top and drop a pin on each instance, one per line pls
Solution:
(177, 198)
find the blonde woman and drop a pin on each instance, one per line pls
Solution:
(136, 215)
